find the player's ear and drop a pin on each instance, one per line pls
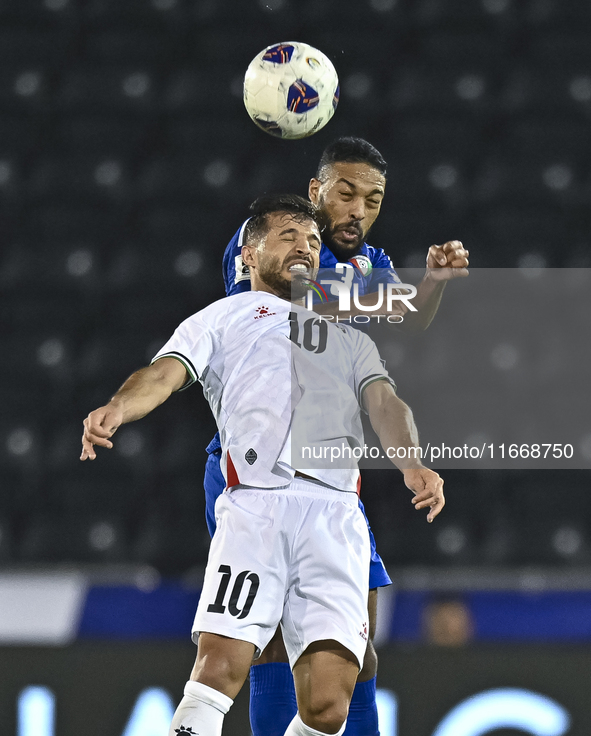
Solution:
(314, 190)
(247, 255)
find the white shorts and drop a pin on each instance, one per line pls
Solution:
(298, 556)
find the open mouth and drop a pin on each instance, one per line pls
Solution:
(349, 234)
(299, 268)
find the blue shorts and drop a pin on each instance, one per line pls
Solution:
(214, 485)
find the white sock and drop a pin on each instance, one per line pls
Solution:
(201, 711)
(298, 728)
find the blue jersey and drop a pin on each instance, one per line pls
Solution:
(363, 271)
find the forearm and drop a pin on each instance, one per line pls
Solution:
(427, 300)
(331, 309)
(143, 391)
(394, 424)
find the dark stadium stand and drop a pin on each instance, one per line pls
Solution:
(127, 162)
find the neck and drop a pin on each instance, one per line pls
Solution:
(270, 290)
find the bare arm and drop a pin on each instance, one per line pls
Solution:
(332, 308)
(143, 391)
(394, 424)
(444, 262)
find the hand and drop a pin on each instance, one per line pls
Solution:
(99, 426)
(447, 261)
(428, 487)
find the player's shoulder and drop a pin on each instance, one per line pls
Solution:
(377, 256)
(234, 308)
(220, 308)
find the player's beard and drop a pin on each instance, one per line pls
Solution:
(290, 289)
(328, 231)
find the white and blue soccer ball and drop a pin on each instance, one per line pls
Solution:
(291, 90)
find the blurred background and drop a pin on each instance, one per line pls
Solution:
(127, 161)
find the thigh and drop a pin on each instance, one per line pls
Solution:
(329, 577)
(274, 651)
(325, 674)
(245, 579)
(372, 610)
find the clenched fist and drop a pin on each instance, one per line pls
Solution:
(447, 261)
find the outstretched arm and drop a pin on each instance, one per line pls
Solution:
(394, 424)
(444, 262)
(143, 391)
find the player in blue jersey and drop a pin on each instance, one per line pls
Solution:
(348, 190)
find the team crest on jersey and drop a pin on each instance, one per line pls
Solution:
(251, 457)
(363, 632)
(362, 264)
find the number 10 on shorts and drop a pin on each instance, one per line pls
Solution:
(218, 605)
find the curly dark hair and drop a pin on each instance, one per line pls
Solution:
(351, 150)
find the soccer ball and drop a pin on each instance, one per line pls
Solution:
(291, 90)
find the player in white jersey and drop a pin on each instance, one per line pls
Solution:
(291, 545)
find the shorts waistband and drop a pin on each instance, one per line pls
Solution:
(305, 487)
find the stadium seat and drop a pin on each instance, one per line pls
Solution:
(562, 49)
(171, 544)
(210, 139)
(453, 14)
(46, 309)
(111, 88)
(114, 489)
(467, 89)
(114, 13)
(545, 138)
(543, 182)
(134, 44)
(189, 90)
(438, 138)
(32, 46)
(81, 539)
(547, 89)
(554, 15)
(459, 48)
(20, 134)
(104, 136)
(21, 490)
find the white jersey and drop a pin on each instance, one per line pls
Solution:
(279, 379)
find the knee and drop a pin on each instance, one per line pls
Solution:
(220, 673)
(370, 664)
(325, 714)
(222, 663)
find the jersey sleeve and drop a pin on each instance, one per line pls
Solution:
(385, 273)
(368, 366)
(192, 344)
(236, 274)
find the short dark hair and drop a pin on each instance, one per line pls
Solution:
(351, 150)
(258, 225)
